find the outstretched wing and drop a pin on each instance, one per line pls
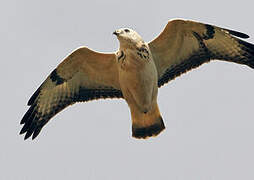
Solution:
(84, 75)
(184, 45)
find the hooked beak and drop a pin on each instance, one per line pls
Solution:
(115, 33)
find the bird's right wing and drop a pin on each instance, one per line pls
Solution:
(84, 75)
(184, 45)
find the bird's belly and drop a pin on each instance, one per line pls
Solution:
(139, 87)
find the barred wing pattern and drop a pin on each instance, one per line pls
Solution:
(184, 45)
(84, 75)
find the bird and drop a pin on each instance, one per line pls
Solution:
(134, 72)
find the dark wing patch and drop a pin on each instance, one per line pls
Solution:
(36, 117)
(56, 78)
(209, 33)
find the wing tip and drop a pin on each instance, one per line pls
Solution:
(31, 132)
(28, 135)
(30, 122)
(237, 34)
(34, 97)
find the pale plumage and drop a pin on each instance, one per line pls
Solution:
(134, 72)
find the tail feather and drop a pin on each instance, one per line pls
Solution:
(145, 132)
(145, 125)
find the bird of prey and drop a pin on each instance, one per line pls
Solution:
(134, 72)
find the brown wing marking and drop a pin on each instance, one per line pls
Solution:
(199, 57)
(35, 118)
(184, 45)
(84, 75)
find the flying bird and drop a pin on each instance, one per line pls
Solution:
(134, 72)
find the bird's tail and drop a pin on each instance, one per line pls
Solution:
(145, 125)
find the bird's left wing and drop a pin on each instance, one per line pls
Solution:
(84, 75)
(184, 45)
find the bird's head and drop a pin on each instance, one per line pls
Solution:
(128, 38)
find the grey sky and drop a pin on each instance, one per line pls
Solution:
(208, 112)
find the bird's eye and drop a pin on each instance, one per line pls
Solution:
(126, 30)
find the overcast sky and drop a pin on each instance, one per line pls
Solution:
(208, 112)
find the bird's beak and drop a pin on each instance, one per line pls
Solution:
(115, 33)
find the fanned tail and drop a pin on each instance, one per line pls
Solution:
(145, 125)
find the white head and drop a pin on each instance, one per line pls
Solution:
(128, 38)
